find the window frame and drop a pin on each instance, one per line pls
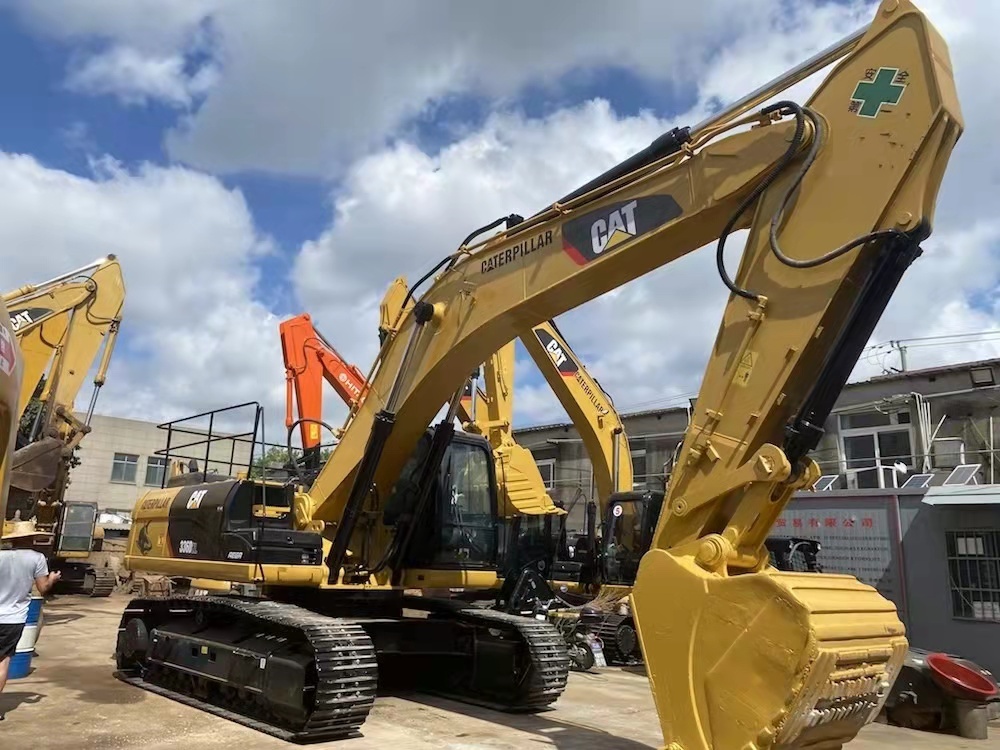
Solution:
(637, 484)
(986, 572)
(161, 464)
(550, 483)
(879, 468)
(115, 462)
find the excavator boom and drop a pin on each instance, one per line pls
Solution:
(837, 195)
(63, 326)
(310, 359)
(589, 407)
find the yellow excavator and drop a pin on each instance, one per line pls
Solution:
(837, 194)
(63, 326)
(11, 376)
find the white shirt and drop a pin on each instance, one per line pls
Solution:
(18, 570)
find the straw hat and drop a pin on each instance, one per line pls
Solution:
(20, 530)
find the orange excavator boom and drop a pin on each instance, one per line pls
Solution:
(309, 360)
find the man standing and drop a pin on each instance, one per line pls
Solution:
(20, 567)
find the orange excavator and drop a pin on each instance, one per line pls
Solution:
(309, 360)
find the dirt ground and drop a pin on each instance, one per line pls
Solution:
(71, 701)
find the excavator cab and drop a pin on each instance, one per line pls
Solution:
(628, 527)
(78, 530)
(78, 524)
(461, 529)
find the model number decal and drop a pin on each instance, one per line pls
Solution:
(187, 547)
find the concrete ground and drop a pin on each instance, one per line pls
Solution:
(72, 702)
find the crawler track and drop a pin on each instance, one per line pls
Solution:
(621, 642)
(537, 673)
(104, 582)
(340, 676)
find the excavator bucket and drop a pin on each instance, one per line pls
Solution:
(34, 467)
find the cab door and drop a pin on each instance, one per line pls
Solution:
(76, 529)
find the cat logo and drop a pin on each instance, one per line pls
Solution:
(618, 227)
(194, 502)
(555, 351)
(594, 234)
(563, 362)
(22, 318)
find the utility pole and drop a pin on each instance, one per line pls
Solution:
(898, 345)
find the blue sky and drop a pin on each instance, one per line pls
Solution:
(250, 165)
(64, 129)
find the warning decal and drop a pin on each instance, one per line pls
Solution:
(745, 368)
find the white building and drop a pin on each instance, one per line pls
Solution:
(119, 461)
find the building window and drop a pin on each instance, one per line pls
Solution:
(871, 443)
(974, 573)
(639, 469)
(124, 467)
(547, 468)
(155, 468)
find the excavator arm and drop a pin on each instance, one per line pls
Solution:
(588, 406)
(309, 360)
(522, 487)
(11, 374)
(62, 326)
(837, 195)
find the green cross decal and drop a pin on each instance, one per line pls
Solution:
(882, 90)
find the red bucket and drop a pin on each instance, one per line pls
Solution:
(960, 680)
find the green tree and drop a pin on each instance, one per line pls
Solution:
(276, 457)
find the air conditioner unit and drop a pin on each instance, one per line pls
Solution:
(947, 453)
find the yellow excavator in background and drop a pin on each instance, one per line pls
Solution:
(63, 326)
(11, 376)
(837, 194)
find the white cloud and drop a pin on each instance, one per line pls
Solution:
(193, 337)
(151, 25)
(401, 209)
(337, 80)
(138, 52)
(135, 78)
